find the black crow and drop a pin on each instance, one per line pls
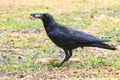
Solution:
(67, 38)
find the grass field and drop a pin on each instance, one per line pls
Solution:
(26, 53)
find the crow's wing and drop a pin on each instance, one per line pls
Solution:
(64, 35)
(82, 37)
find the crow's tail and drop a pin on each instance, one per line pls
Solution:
(104, 46)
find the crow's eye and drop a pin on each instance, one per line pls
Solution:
(46, 15)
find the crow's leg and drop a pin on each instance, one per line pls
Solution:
(70, 54)
(65, 59)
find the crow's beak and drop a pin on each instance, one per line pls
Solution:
(36, 15)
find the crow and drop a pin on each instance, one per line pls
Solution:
(68, 38)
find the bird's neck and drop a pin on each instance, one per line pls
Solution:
(49, 25)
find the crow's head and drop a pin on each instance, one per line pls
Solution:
(45, 17)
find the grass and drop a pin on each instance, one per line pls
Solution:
(24, 43)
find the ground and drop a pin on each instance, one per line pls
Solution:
(26, 53)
